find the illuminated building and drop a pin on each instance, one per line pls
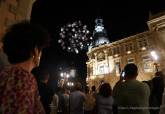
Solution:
(12, 11)
(106, 60)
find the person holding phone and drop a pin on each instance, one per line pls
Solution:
(131, 96)
(122, 75)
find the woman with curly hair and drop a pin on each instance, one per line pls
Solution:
(104, 100)
(23, 44)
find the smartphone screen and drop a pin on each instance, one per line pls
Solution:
(122, 75)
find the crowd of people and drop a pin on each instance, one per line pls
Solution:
(21, 94)
(128, 96)
(83, 102)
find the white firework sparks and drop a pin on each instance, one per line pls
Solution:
(74, 37)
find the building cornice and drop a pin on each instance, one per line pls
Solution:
(156, 19)
(127, 39)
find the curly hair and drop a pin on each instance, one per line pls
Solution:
(105, 90)
(78, 86)
(22, 38)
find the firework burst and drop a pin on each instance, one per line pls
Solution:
(74, 37)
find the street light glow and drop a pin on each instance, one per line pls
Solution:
(143, 48)
(62, 74)
(67, 75)
(70, 84)
(128, 52)
(72, 73)
(154, 55)
(116, 55)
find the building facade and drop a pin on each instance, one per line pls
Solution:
(12, 11)
(107, 60)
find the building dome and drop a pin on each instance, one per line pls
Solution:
(99, 34)
(101, 40)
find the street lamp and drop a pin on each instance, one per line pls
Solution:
(63, 78)
(67, 75)
(70, 84)
(155, 57)
(62, 74)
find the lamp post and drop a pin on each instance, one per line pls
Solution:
(70, 84)
(64, 76)
(155, 57)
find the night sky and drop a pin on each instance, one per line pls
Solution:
(122, 18)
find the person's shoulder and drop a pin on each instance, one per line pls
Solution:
(157, 78)
(117, 88)
(73, 93)
(139, 83)
(81, 93)
(118, 85)
(143, 85)
(15, 72)
(23, 75)
(5, 69)
(110, 98)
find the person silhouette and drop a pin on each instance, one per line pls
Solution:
(23, 44)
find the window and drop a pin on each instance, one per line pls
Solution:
(101, 69)
(130, 60)
(13, 8)
(147, 64)
(142, 43)
(118, 68)
(90, 70)
(101, 56)
(129, 47)
(145, 42)
(116, 50)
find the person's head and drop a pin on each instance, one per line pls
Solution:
(102, 81)
(66, 91)
(131, 71)
(24, 41)
(44, 77)
(86, 89)
(105, 90)
(159, 73)
(58, 89)
(93, 88)
(78, 86)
